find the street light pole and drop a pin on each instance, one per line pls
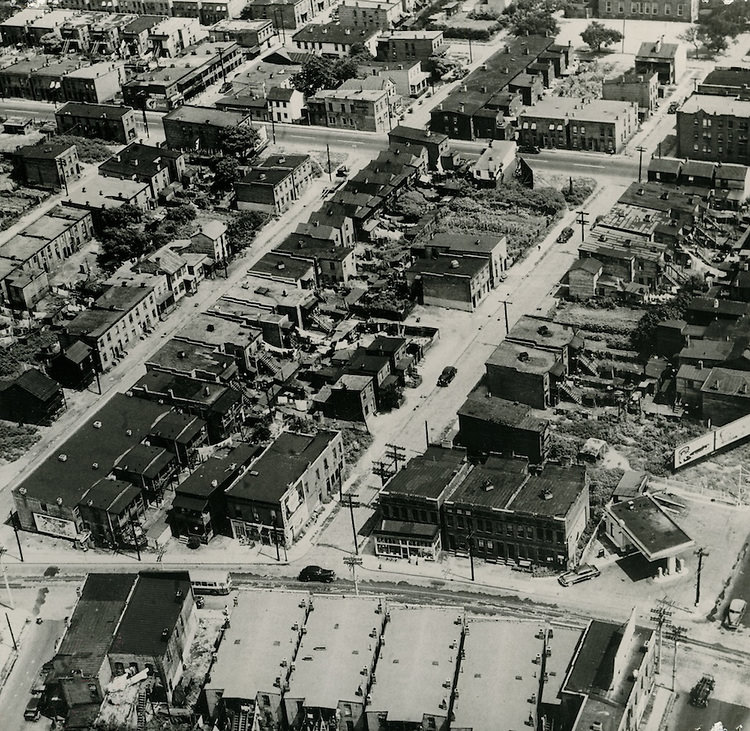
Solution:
(350, 499)
(701, 553)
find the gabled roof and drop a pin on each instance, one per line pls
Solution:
(37, 384)
(658, 49)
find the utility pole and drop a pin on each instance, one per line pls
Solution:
(383, 470)
(3, 551)
(350, 502)
(505, 310)
(328, 155)
(426, 434)
(396, 453)
(135, 538)
(701, 553)
(582, 218)
(14, 523)
(660, 616)
(470, 545)
(145, 122)
(273, 130)
(640, 150)
(677, 635)
(352, 562)
(471, 55)
(10, 629)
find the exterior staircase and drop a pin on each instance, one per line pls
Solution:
(140, 710)
(326, 327)
(573, 393)
(588, 365)
(270, 364)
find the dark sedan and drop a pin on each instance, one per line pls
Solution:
(316, 573)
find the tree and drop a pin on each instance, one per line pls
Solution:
(182, 214)
(320, 72)
(532, 18)
(243, 228)
(597, 35)
(692, 36)
(120, 244)
(411, 204)
(120, 218)
(239, 142)
(227, 172)
(390, 397)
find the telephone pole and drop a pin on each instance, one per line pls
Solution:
(505, 311)
(582, 218)
(350, 502)
(640, 150)
(383, 470)
(352, 562)
(396, 453)
(661, 617)
(328, 155)
(701, 553)
(677, 635)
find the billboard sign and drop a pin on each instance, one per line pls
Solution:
(732, 432)
(55, 526)
(694, 449)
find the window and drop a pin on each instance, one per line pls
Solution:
(679, 8)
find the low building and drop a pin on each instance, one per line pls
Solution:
(378, 14)
(732, 81)
(333, 264)
(490, 425)
(80, 669)
(112, 509)
(714, 128)
(420, 643)
(189, 360)
(103, 121)
(436, 144)
(109, 193)
(272, 505)
(664, 169)
(116, 321)
(642, 524)
(333, 677)
(200, 128)
(272, 624)
(663, 10)
(93, 84)
(500, 512)
(641, 89)
(578, 124)
(410, 45)
(360, 109)
(256, 36)
(667, 60)
(459, 283)
(583, 278)
(157, 166)
(50, 165)
(172, 36)
(496, 164)
(411, 504)
(31, 398)
(350, 398)
(725, 395)
(482, 246)
(334, 39)
(275, 183)
(610, 678)
(156, 629)
(15, 29)
(407, 76)
(285, 105)
(199, 507)
(285, 14)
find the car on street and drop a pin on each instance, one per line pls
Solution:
(583, 573)
(565, 235)
(529, 149)
(448, 374)
(673, 107)
(342, 172)
(33, 710)
(701, 691)
(735, 613)
(316, 573)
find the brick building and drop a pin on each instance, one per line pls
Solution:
(104, 121)
(333, 39)
(359, 109)
(157, 166)
(640, 89)
(714, 128)
(50, 165)
(680, 11)
(378, 14)
(274, 184)
(200, 128)
(667, 60)
(94, 84)
(455, 282)
(410, 45)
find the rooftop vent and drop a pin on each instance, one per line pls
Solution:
(523, 357)
(62, 457)
(97, 425)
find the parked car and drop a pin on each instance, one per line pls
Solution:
(565, 235)
(200, 602)
(583, 573)
(702, 690)
(33, 711)
(316, 573)
(448, 374)
(529, 149)
(735, 613)
(673, 107)
(342, 172)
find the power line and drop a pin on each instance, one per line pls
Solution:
(396, 453)
(661, 616)
(582, 218)
(677, 635)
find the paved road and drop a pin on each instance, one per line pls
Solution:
(37, 645)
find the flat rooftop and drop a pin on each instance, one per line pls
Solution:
(563, 644)
(177, 355)
(154, 606)
(551, 493)
(543, 333)
(594, 110)
(206, 115)
(480, 405)
(334, 650)
(494, 694)
(261, 635)
(420, 643)
(710, 104)
(522, 358)
(650, 528)
(492, 484)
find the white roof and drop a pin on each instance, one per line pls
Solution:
(715, 105)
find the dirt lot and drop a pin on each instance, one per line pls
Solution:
(615, 318)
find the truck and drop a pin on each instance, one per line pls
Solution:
(702, 690)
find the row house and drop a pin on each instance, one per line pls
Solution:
(103, 121)
(275, 183)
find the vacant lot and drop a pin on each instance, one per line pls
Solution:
(594, 319)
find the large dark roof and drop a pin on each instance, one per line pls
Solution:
(120, 424)
(94, 619)
(480, 405)
(492, 484)
(37, 384)
(280, 466)
(428, 475)
(552, 492)
(219, 469)
(154, 606)
(93, 111)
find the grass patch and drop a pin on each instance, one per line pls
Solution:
(16, 440)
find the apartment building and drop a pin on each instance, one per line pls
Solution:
(409, 45)
(714, 128)
(274, 184)
(640, 89)
(578, 124)
(407, 76)
(103, 121)
(378, 14)
(285, 14)
(682, 11)
(200, 128)
(361, 109)
(333, 39)
(51, 165)
(93, 84)
(157, 166)
(254, 35)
